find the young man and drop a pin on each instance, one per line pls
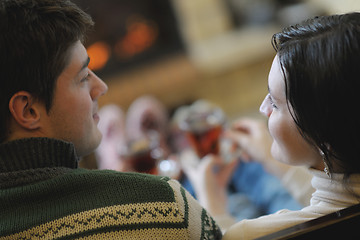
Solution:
(48, 105)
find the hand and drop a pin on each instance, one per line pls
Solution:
(209, 177)
(252, 136)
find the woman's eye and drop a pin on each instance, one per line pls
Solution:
(271, 101)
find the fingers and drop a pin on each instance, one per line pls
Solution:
(196, 168)
(216, 168)
(253, 137)
(209, 163)
(249, 126)
(244, 124)
(241, 139)
(227, 171)
(189, 162)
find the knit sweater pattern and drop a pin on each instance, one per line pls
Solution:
(44, 195)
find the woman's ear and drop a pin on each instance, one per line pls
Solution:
(24, 111)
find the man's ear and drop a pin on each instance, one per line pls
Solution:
(24, 111)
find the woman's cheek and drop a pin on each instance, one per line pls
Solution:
(278, 131)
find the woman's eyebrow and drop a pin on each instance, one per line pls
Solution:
(274, 98)
(269, 90)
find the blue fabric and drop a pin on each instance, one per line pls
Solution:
(262, 188)
(185, 182)
(253, 192)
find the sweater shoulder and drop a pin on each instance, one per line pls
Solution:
(121, 186)
(105, 205)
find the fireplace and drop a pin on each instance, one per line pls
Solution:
(129, 33)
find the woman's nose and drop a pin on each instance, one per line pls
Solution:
(265, 107)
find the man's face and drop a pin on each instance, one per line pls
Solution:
(73, 116)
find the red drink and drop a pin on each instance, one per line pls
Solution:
(205, 142)
(203, 127)
(144, 162)
(143, 157)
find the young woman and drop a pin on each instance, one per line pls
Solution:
(311, 108)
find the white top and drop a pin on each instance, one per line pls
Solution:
(330, 195)
(297, 180)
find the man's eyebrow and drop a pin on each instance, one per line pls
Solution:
(85, 64)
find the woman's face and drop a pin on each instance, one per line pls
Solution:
(288, 145)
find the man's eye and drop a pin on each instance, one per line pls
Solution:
(86, 78)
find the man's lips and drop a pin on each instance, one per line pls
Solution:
(96, 117)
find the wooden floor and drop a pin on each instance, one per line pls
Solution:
(176, 81)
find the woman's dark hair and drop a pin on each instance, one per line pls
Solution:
(320, 59)
(35, 37)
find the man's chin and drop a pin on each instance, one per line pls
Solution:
(90, 146)
(97, 141)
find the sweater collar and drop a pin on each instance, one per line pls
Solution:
(33, 153)
(333, 191)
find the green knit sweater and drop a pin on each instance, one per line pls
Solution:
(43, 195)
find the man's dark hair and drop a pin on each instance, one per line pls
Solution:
(35, 37)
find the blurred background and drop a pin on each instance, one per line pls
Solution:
(183, 50)
(180, 51)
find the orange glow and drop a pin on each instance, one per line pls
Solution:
(141, 34)
(99, 54)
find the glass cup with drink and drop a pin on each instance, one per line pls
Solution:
(202, 124)
(145, 155)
